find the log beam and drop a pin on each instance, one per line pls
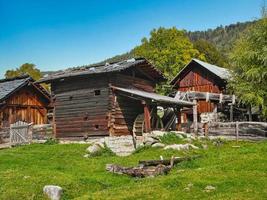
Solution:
(147, 117)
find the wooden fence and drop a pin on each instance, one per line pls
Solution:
(239, 130)
(20, 133)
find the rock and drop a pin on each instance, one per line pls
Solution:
(120, 145)
(158, 145)
(53, 192)
(101, 144)
(187, 139)
(180, 147)
(151, 139)
(187, 189)
(190, 185)
(158, 133)
(179, 136)
(94, 148)
(149, 143)
(86, 156)
(209, 188)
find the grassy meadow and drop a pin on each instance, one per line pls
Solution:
(235, 172)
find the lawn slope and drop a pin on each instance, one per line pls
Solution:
(237, 173)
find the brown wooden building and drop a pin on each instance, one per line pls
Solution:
(22, 100)
(202, 81)
(106, 99)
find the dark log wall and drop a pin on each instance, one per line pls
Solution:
(125, 109)
(24, 105)
(80, 110)
(127, 81)
(199, 79)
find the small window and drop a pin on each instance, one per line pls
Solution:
(97, 92)
(96, 126)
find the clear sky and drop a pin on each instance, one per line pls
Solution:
(56, 34)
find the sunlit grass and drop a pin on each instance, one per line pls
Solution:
(237, 173)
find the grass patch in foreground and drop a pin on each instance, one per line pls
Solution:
(237, 173)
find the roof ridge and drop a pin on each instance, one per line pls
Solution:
(23, 76)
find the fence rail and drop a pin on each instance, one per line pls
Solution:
(246, 130)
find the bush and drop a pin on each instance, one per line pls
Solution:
(51, 141)
(171, 138)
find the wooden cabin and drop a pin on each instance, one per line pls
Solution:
(106, 100)
(204, 83)
(22, 100)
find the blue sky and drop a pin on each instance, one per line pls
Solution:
(56, 34)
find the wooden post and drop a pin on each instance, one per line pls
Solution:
(231, 112)
(147, 117)
(249, 113)
(215, 109)
(195, 116)
(237, 130)
(179, 124)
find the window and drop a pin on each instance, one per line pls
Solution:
(96, 126)
(97, 92)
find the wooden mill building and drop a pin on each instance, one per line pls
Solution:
(22, 100)
(105, 100)
(204, 83)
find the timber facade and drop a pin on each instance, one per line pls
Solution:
(105, 100)
(22, 100)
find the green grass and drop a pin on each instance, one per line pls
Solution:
(237, 173)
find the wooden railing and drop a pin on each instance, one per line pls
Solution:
(249, 130)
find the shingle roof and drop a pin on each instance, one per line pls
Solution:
(153, 96)
(8, 86)
(11, 85)
(107, 68)
(222, 73)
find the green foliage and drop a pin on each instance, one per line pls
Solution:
(212, 55)
(27, 68)
(223, 37)
(171, 138)
(237, 173)
(51, 141)
(249, 58)
(168, 49)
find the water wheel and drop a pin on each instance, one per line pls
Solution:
(139, 125)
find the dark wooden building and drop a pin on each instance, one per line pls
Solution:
(106, 99)
(22, 100)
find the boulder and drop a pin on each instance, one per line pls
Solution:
(180, 147)
(158, 145)
(53, 192)
(86, 156)
(94, 148)
(209, 188)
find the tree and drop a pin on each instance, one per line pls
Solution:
(212, 55)
(249, 58)
(169, 49)
(27, 68)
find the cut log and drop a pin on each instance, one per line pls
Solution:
(166, 161)
(150, 168)
(139, 172)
